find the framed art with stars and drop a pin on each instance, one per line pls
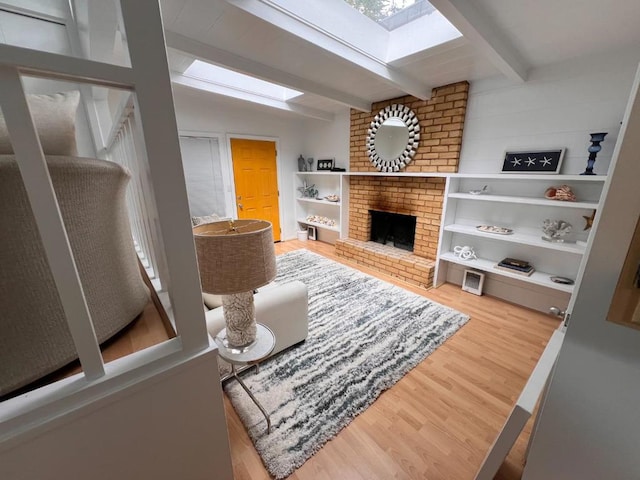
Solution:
(533, 161)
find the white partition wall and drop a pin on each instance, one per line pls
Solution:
(156, 413)
(589, 423)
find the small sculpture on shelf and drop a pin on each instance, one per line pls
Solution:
(308, 191)
(332, 198)
(484, 189)
(302, 165)
(562, 193)
(555, 230)
(464, 252)
(589, 220)
(595, 147)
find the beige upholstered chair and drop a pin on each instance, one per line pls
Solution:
(34, 337)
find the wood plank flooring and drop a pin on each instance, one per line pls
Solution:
(149, 328)
(438, 421)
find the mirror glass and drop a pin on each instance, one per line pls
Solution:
(391, 138)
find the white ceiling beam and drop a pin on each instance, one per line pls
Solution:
(293, 24)
(222, 58)
(227, 91)
(482, 32)
(422, 55)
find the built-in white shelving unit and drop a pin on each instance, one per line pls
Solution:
(516, 202)
(327, 183)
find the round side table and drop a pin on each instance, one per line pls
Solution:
(261, 349)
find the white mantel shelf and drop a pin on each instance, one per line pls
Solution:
(487, 176)
(397, 174)
(524, 176)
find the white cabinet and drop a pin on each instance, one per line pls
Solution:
(327, 183)
(516, 202)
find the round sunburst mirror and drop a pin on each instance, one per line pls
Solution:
(393, 138)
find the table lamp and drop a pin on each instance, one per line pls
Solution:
(235, 258)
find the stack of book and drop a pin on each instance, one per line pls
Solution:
(521, 267)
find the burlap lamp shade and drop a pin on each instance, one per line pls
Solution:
(234, 258)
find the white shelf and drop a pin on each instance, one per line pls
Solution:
(516, 201)
(314, 200)
(523, 200)
(319, 225)
(538, 278)
(520, 238)
(523, 176)
(326, 183)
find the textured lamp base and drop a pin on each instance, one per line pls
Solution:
(240, 318)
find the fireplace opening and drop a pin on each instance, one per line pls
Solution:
(393, 229)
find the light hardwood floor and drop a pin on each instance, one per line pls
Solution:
(149, 328)
(439, 420)
(436, 423)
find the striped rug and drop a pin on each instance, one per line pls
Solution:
(364, 335)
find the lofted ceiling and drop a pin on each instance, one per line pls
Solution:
(338, 58)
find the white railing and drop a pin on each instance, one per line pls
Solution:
(141, 204)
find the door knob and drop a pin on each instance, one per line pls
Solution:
(240, 206)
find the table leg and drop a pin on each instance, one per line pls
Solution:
(253, 398)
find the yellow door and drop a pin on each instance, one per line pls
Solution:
(256, 180)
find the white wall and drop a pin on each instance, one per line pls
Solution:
(204, 112)
(558, 106)
(169, 426)
(329, 139)
(590, 422)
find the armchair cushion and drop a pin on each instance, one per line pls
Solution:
(211, 300)
(283, 308)
(55, 119)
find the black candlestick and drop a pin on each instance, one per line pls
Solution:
(595, 147)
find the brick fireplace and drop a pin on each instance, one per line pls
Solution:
(441, 125)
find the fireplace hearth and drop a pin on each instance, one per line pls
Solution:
(395, 229)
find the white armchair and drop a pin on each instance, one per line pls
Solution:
(281, 307)
(35, 339)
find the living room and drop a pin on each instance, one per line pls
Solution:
(559, 105)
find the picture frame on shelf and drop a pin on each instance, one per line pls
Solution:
(325, 164)
(312, 232)
(533, 161)
(473, 282)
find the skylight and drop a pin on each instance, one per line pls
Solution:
(392, 14)
(239, 81)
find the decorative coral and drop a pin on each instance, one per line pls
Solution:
(555, 230)
(308, 191)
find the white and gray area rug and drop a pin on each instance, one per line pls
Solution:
(364, 335)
